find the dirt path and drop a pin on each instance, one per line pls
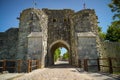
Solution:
(62, 72)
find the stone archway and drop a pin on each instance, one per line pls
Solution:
(53, 47)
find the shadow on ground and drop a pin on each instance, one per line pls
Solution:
(61, 66)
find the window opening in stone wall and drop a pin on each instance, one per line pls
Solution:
(65, 20)
(54, 20)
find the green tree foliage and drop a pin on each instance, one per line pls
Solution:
(113, 32)
(115, 7)
(99, 29)
(57, 54)
(65, 56)
(101, 34)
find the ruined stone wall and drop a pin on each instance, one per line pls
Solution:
(12, 42)
(58, 25)
(8, 44)
(86, 34)
(87, 46)
(110, 49)
(35, 46)
(3, 45)
(31, 21)
(38, 29)
(85, 21)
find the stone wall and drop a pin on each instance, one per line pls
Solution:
(12, 42)
(3, 45)
(8, 44)
(86, 34)
(60, 28)
(59, 25)
(34, 46)
(85, 21)
(87, 49)
(110, 49)
(31, 21)
(40, 29)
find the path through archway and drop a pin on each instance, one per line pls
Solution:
(53, 47)
(61, 56)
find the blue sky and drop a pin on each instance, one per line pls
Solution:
(63, 50)
(11, 9)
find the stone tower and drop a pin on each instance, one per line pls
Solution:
(41, 32)
(32, 43)
(59, 32)
(86, 35)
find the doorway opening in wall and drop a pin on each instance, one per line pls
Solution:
(61, 56)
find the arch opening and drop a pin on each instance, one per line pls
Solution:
(59, 45)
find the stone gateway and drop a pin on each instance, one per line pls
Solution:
(41, 32)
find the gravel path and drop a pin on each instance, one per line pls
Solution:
(62, 72)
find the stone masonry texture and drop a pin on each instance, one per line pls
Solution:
(41, 32)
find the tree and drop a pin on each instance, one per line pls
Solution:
(57, 54)
(113, 32)
(65, 56)
(115, 7)
(101, 34)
